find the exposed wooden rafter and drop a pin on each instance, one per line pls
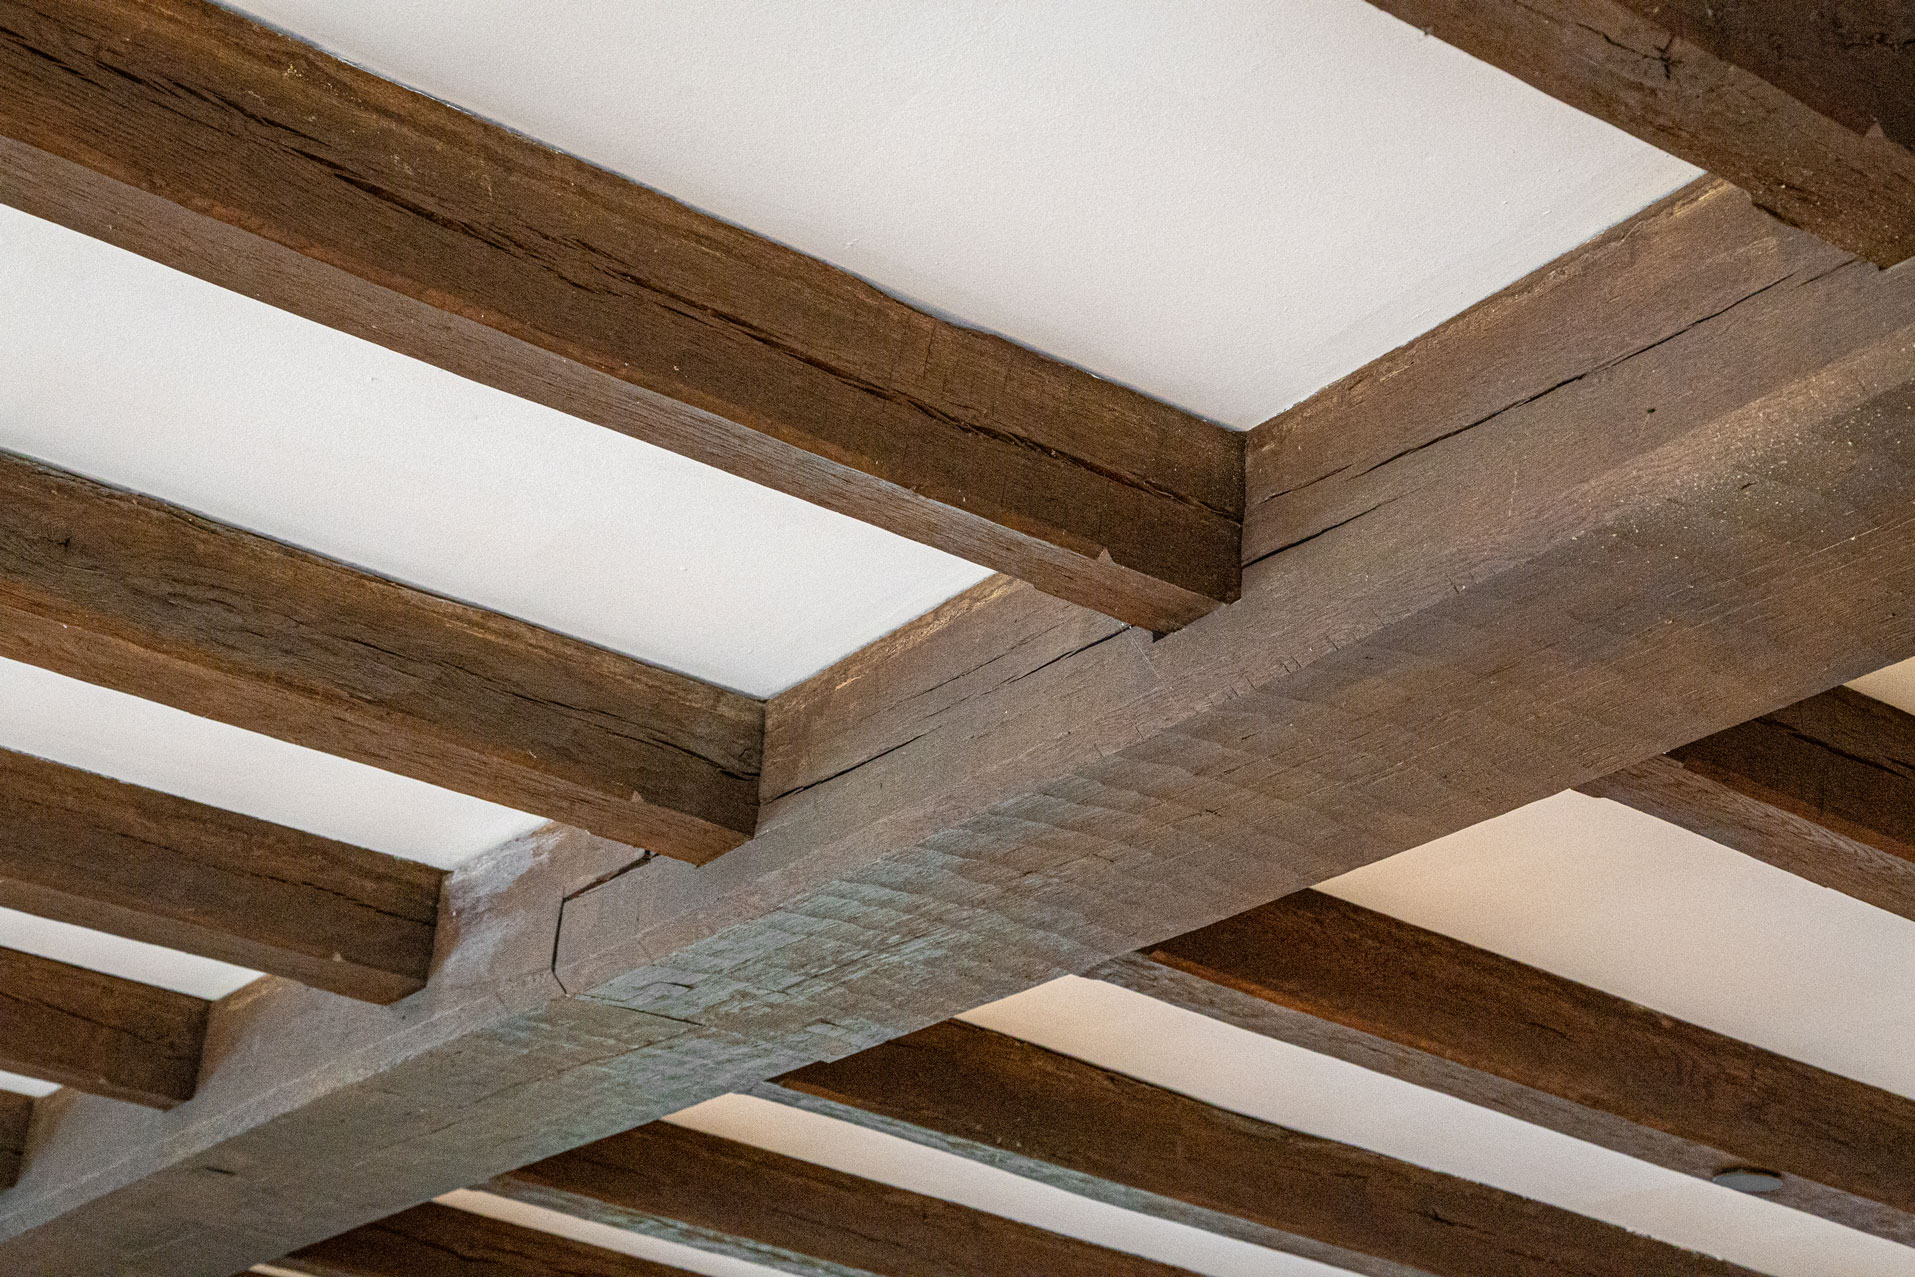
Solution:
(1056, 1118)
(16, 1116)
(438, 1241)
(1804, 105)
(117, 858)
(732, 1199)
(1824, 788)
(140, 596)
(1340, 980)
(99, 1033)
(1524, 548)
(194, 136)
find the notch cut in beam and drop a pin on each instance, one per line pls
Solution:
(194, 136)
(1823, 788)
(134, 594)
(972, 1089)
(1341, 980)
(733, 1199)
(1804, 106)
(439, 1241)
(117, 858)
(99, 1033)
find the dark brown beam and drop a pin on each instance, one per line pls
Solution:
(149, 866)
(133, 594)
(99, 1033)
(978, 1088)
(194, 136)
(16, 1115)
(1334, 978)
(723, 1196)
(1805, 105)
(1824, 789)
(438, 1241)
(1477, 634)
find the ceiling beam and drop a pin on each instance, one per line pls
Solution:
(16, 1116)
(194, 136)
(1027, 797)
(733, 1199)
(133, 594)
(1824, 788)
(148, 866)
(438, 1241)
(1340, 980)
(1805, 106)
(989, 1095)
(97, 1033)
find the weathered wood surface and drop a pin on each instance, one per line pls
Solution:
(730, 1198)
(16, 1116)
(1803, 105)
(196, 137)
(136, 595)
(1480, 641)
(973, 1087)
(101, 1034)
(148, 866)
(438, 1241)
(1331, 977)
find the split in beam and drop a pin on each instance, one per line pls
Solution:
(1808, 107)
(991, 1096)
(1824, 788)
(732, 1199)
(438, 1241)
(191, 135)
(136, 595)
(1344, 981)
(83, 849)
(99, 1033)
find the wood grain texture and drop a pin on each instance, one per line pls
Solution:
(1793, 102)
(209, 142)
(1629, 1078)
(1667, 790)
(148, 866)
(1480, 643)
(981, 1087)
(98, 1033)
(733, 1199)
(133, 594)
(16, 1115)
(438, 1241)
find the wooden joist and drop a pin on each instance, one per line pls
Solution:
(1126, 1141)
(1334, 978)
(1805, 106)
(148, 866)
(16, 1115)
(99, 1033)
(193, 136)
(1014, 795)
(1824, 788)
(438, 1241)
(733, 1199)
(133, 594)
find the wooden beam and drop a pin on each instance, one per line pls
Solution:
(968, 1086)
(438, 1241)
(736, 1200)
(1020, 803)
(136, 595)
(99, 1033)
(16, 1115)
(1334, 978)
(189, 134)
(148, 866)
(1805, 106)
(1824, 789)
